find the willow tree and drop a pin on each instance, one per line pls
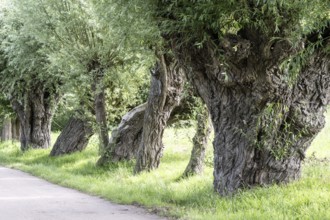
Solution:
(125, 139)
(89, 46)
(141, 130)
(27, 81)
(262, 68)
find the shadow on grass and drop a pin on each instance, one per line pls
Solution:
(88, 167)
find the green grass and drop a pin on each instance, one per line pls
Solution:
(162, 190)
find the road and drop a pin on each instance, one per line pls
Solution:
(25, 197)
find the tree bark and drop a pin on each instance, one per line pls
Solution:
(264, 117)
(35, 115)
(165, 93)
(15, 129)
(74, 137)
(101, 119)
(6, 131)
(196, 163)
(125, 139)
(97, 72)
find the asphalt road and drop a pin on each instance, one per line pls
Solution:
(24, 197)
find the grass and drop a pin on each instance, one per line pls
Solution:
(163, 192)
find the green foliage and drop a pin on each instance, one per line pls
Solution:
(88, 38)
(68, 42)
(125, 93)
(5, 110)
(121, 97)
(261, 22)
(201, 20)
(275, 131)
(81, 35)
(66, 108)
(185, 115)
(24, 58)
(193, 198)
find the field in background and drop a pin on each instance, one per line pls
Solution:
(163, 191)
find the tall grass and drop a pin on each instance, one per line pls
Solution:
(164, 192)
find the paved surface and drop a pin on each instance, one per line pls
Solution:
(24, 197)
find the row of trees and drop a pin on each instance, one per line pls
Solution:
(260, 67)
(79, 52)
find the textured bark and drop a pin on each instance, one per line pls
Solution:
(263, 122)
(35, 116)
(101, 119)
(196, 163)
(6, 131)
(125, 139)
(74, 137)
(99, 104)
(165, 93)
(15, 129)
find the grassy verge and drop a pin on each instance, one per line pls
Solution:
(193, 198)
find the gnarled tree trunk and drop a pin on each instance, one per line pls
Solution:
(76, 134)
(74, 137)
(35, 116)
(6, 130)
(165, 93)
(125, 139)
(196, 163)
(264, 116)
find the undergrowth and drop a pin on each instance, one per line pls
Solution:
(162, 191)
